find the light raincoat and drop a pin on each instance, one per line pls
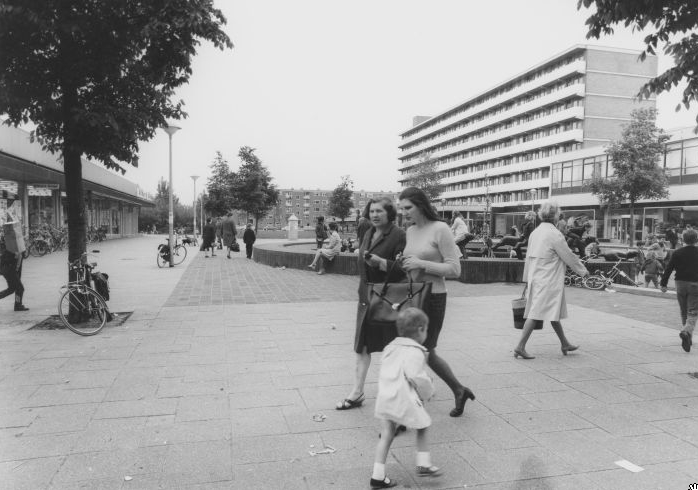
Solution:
(403, 384)
(546, 257)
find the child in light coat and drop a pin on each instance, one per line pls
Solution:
(403, 386)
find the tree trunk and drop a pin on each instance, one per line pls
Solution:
(76, 203)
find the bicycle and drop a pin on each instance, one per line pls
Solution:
(601, 279)
(81, 308)
(574, 279)
(179, 253)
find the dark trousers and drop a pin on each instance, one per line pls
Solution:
(507, 241)
(461, 244)
(248, 249)
(14, 284)
(687, 295)
(519, 253)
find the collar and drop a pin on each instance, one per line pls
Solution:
(408, 342)
(387, 232)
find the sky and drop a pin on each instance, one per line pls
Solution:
(323, 89)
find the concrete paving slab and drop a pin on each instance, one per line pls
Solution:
(214, 381)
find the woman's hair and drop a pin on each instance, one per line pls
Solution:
(320, 219)
(333, 226)
(366, 213)
(651, 255)
(690, 237)
(409, 321)
(387, 204)
(530, 215)
(548, 211)
(420, 200)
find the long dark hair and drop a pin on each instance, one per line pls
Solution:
(420, 200)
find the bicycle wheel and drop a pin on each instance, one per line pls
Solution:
(180, 253)
(594, 282)
(82, 310)
(39, 248)
(162, 259)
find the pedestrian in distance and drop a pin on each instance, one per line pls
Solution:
(685, 262)
(461, 233)
(403, 387)
(671, 236)
(320, 232)
(544, 273)
(526, 230)
(11, 270)
(328, 253)
(248, 238)
(364, 223)
(377, 264)
(208, 238)
(219, 233)
(229, 232)
(431, 255)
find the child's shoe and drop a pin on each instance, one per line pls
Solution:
(429, 471)
(384, 483)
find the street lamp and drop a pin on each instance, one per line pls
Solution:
(170, 130)
(533, 197)
(443, 208)
(194, 177)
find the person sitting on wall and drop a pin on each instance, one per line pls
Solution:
(593, 249)
(509, 240)
(528, 227)
(575, 237)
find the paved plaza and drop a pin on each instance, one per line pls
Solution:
(227, 373)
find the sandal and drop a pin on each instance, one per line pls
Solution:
(348, 404)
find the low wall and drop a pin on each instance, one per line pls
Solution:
(474, 270)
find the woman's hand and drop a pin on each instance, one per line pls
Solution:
(374, 260)
(412, 263)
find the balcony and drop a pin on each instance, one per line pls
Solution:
(563, 71)
(522, 185)
(576, 90)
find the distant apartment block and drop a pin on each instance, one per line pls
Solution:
(308, 204)
(500, 145)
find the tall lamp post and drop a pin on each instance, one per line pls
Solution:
(443, 208)
(533, 197)
(194, 177)
(170, 130)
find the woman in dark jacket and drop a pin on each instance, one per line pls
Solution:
(377, 253)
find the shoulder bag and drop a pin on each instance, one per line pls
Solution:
(387, 299)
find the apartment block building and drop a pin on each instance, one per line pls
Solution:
(495, 150)
(307, 205)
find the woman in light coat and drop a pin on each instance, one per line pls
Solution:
(544, 272)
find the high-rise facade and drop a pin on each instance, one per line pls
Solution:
(495, 150)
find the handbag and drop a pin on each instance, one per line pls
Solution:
(518, 307)
(235, 247)
(387, 299)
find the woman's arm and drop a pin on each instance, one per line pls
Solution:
(567, 255)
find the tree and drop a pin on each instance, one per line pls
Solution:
(673, 24)
(425, 176)
(158, 216)
(220, 187)
(253, 190)
(636, 172)
(340, 201)
(98, 77)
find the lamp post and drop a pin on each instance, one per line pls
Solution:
(194, 177)
(443, 208)
(170, 130)
(533, 197)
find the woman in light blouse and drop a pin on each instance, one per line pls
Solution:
(431, 255)
(329, 252)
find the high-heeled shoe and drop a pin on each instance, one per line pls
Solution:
(460, 402)
(522, 353)
(569, 348)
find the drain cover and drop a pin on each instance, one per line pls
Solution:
(54, 321)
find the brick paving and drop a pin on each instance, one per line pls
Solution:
(193, 394)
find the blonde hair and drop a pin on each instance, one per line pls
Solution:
(549, 211)
(410, 321)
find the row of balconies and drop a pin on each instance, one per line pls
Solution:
(564, 93)
(525, 185)
(575, 67)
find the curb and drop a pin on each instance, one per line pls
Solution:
(640, 291)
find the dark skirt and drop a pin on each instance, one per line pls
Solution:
(436, 311)
(373, 338)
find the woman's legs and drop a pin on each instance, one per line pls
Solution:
(564, 343)
(363, 362)
(315, 259)
(528, 327)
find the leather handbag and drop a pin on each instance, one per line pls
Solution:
(387, 299)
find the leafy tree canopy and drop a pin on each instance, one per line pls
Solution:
(95, 77)
(220, 187)
(671, 24)
(341, 203)
(253, 189)
(425, 176)
(635, 159)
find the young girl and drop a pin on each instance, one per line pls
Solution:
(403, 386)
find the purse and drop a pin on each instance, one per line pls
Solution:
(387, 299)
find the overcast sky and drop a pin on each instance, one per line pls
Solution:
(323, 88)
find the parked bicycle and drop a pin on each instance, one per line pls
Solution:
(81, 308)
(179, 253)
(574, 279)
(601, 279)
